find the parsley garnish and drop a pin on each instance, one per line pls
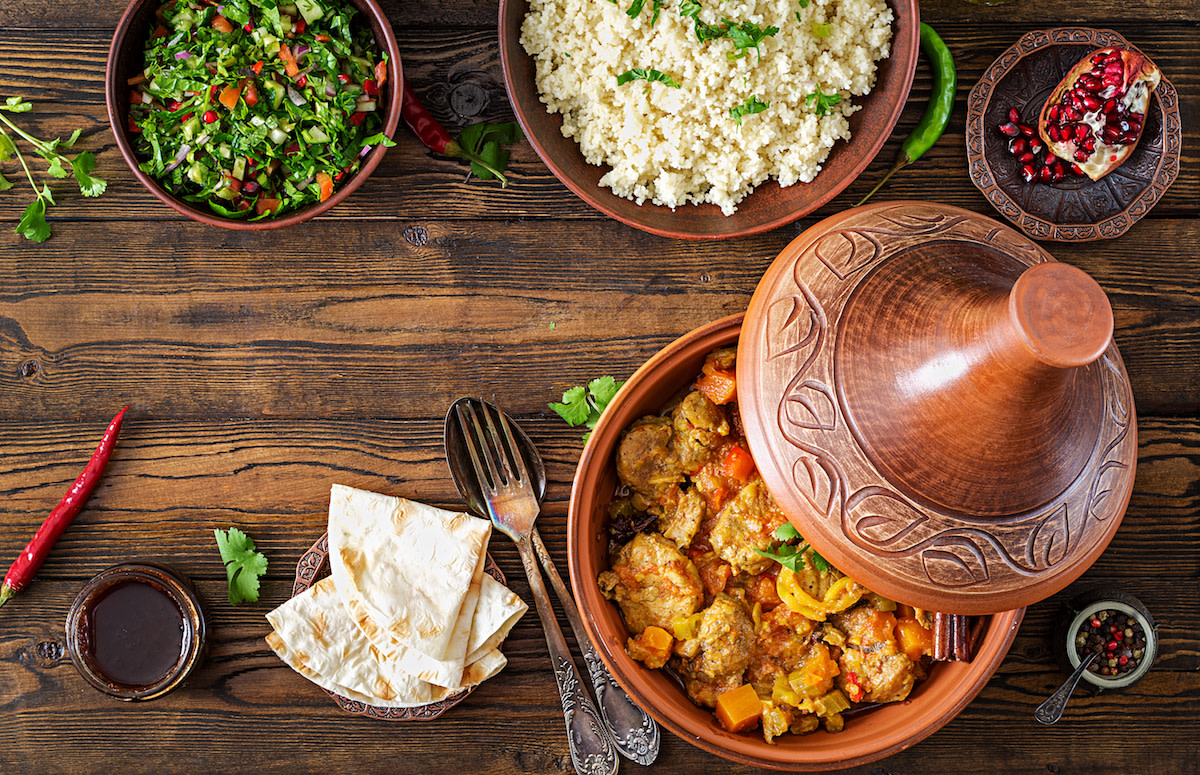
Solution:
(243, 565)
(643, 74)
(635, 9)
(583, 406)
(745, 36)
(658, 6)
(33, 224)
(804, 3)
(823, 103)
(822, 29)
(751, 106)
(482, 145)
(792, 556)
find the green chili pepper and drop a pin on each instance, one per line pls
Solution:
(937, 113)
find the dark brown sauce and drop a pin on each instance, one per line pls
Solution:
(134, 633)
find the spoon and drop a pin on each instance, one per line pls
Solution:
(634, 733)
(1052, 709)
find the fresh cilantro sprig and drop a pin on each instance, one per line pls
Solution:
(791, 556)
(243, 565)
(33, 222)
(483, 146)
(583, 406)
(746, 36)
(646, 74)
(751, 106)
(822, 103)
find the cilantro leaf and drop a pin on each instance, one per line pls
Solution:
(33, 223)
(82, 166)
(480, 144)
(787, 532)
(646, 74)
(790, 557)
(804, 3)
(821, 102)
(584, 405)
(243, 565)
(820, 563)
(751, 106)
(745, 36)
(5, 184)
(17, 105)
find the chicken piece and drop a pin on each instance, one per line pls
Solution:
(682, 521)
(873, 667)
(653, 583)
(781, 644)
(647, 465)
(747, 523)
(725, 638)
(700, 425)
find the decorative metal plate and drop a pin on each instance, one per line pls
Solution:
(314, 566)
(945, 556)
(1076, 209)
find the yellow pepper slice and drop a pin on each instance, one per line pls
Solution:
(843, 594)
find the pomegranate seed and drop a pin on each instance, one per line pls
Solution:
(1089, 144)
(1026, 157)
(210, 116)
(293, 148)
(1071, 114)
(1029, 173)
(1010, 129)
(1081, 155)
(250, 187)
(1057, 174)
(1138, 117)
(343, 78)
(248, 27)
(1035, 145)
(1044, 175)
(1053, 132)
(1112, 80)
(1055, 113)
(339, 175)
(1092, 102)
(174, 105)
(1028, 131)
(1098, 59)
(1018, 146)
(1113, 56)
(1081, 132)
(1109, 107)
(1075, 168)
(1014, 115)
(302, 81)
(1110, 135)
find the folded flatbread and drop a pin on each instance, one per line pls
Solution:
(314, 634)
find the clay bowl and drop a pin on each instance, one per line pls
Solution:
(1076, 209)
(125, 59)
(769, 206)
(867, 737)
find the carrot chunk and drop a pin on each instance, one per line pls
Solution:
(739, 709)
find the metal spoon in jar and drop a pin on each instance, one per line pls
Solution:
(1052, 709)
(634, 733)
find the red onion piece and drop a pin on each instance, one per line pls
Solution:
(183, 55)
(179, 157)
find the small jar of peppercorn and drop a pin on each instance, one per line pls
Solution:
(1118, 628)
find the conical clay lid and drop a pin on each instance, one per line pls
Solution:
(938, 406)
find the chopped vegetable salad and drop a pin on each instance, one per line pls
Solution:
(257, 108)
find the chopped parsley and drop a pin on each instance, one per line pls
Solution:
(635, 9)
(644, 74)
(751, 106)
(822, 103)
(804, 3)
(791, 556)
(583, 406)
(746, 35)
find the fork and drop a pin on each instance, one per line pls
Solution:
(512, 505)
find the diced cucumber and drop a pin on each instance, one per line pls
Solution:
(310, 10)
(314, 134)
(239, 168)
(190, 128)
(197, 174)
(278, 92)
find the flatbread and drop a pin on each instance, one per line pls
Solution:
(498, 610)
(410, 576)
(315, 634)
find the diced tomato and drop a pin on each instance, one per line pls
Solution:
(258, 66)
(738, 464)
(357, 118)
(300, 25)
(289, 61)
(212, 91)
(248, 27)
(229, 96)
(720, 387)
(185, 117)
(251, 94)
(325, 184)
(221, 24)
(267, 203)
(322, 38)
(161, 31)
(292, 148)
(233, 183)
(381, 73)
(135, 97)
(133, 127)
(242, 204)
(715, 576)
(371, 87)
(302, 81)
(340, 174)
(343, 78)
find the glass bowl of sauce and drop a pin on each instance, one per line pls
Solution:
(136, 631)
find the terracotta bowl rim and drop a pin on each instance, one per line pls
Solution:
(643, 216)
(114, 86)
(907, 723)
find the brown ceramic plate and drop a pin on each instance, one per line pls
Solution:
(768, 206)
(886, 730)
(314, 566)
(1076, 209)
(126, 59)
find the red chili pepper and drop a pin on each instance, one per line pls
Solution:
(31, 558)
(431, 133)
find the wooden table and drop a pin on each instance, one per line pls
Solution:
(262, 368)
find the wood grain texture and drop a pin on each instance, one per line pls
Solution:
(263, 367)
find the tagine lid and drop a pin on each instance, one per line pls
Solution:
(938, 406)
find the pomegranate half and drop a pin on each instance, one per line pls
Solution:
(1094, 117)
